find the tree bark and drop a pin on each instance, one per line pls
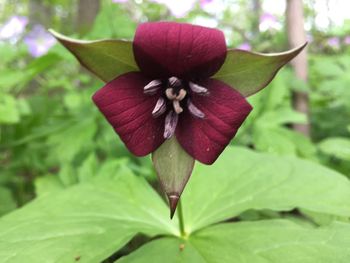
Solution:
(256, 10)
(87, 12)
(296, 37)
(40, 13)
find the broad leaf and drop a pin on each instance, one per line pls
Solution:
(337, 146)
(174, 167)
(242, 179)
(89, 221)
(272, 241)
(107, 59)
(250, 72)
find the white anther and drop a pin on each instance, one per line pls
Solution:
(174, 82)
(160, 107)
(152, 87)
(170, 124)
(194, 110)
(198, 89)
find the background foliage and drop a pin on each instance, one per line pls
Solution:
(280, 194)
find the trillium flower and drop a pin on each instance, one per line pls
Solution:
(173, 94)
(176, 92)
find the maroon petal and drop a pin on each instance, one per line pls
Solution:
(225, 110)
(129, 111)
(165, 49)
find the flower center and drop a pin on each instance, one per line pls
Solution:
(175, 96)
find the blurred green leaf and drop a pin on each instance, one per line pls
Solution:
(66, 144)
(107, 59)
(250, 72)
(112, 21)
(270, 241)
(88, 169)
(9, 111)
(241, 180)
(89, 221)
(338, 147)
(7, 201)
(47, 184)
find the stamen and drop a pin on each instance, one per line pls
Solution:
(174, 82)
(182, 95)
(198, 89)
(152, 87)
(170, 94)
(160, 107)
(194, 110)
(177, 107)
(170, 124)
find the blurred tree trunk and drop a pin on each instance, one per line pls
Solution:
(257, 10)
(296, 37)
(87, 12)
(40, 12)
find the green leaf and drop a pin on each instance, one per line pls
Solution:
(338, 147)
(271, 241)
(156, 250)
(107, 59)
(242, 179)
(47, 184)
(112, 21)
(250, 72)
(7, 202)
(274, 241)
(66, 144)
(174, 167)
(89, 221)
(9, 112)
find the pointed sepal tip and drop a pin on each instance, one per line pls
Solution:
(173, 200)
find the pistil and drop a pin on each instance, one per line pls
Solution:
(175, 92)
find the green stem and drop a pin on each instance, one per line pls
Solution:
(181, 219)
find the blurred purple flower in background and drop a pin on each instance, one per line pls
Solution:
(347, 40)
(13, 28)
(120, 1)
(268, 22)
(178, 8)
(203, 3)
(39, 41)
(333, 42)
(309, 37)
(245, 46)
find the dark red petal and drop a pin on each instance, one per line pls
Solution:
(225, 110)
(165, 49)
(129, 111)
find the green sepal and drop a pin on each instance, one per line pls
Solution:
(107, 59)
(174, 167)
(250, 72)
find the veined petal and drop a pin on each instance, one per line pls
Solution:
(129, 111)
(225, 109)
(165, 49)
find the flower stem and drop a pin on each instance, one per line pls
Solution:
(181, 219)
